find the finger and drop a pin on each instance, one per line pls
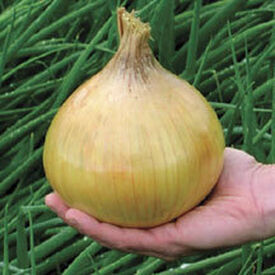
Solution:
(127, 239)
(130, 240)
(55, 202)
(237, 169)
(237, 161)
(218, 224)
(238, 157)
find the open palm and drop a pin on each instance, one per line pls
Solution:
(231, 215)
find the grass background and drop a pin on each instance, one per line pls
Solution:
(48, 48)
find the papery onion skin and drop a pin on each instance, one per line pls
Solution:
(135, 145)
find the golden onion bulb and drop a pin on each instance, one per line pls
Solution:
(135, 145)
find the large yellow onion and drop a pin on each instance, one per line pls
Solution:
(135, 145)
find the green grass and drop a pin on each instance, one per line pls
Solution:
(48, 48)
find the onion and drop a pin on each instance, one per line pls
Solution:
(135, 145)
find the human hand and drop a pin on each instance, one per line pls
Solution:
(233, 214)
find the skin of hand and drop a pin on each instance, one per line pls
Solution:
(238, 210)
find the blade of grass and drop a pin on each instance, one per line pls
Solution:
(86, 9)
(27, 20)
(9, 199)
(50, 245)
(35, 208)
(53, 231)
(193, 41)
(220, 96)
(146, 11)
(108, 257)
(214, 261)
(202, 63)
(5, 114)
(15, 156)
(209, 29)
(251, 34)
(6, 243)
(54, 243)
(83, 259)
(36, 25)
(37, 89)
(260, 259)
(113, 266)
(23, 65)
(30, 116)
(46, 46)
(266, 53)
(162, 31)
(233, 117)
(37, 227)
(250, 268)
(21, 192)
(269, 271)
(5, 48)
(241, 90)
(229, 268)
(21, 8)
(146, 261)
(258, 92)
(43, 76)
(32, 253)
(248, 107)
(21, 242)
(13, 268)
(23, 168)
(20, 18)
(261, 133)
(248, 260)
(150, 268)
(225, 75)
(66, 254)
(13, 136)
(71, 78)
(205, 263)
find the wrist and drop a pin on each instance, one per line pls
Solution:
(265, 191)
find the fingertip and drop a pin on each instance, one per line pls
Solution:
(56, 204)
(49, 200)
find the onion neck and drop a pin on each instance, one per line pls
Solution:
(134, 55)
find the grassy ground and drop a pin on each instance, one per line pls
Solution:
(48, 48)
